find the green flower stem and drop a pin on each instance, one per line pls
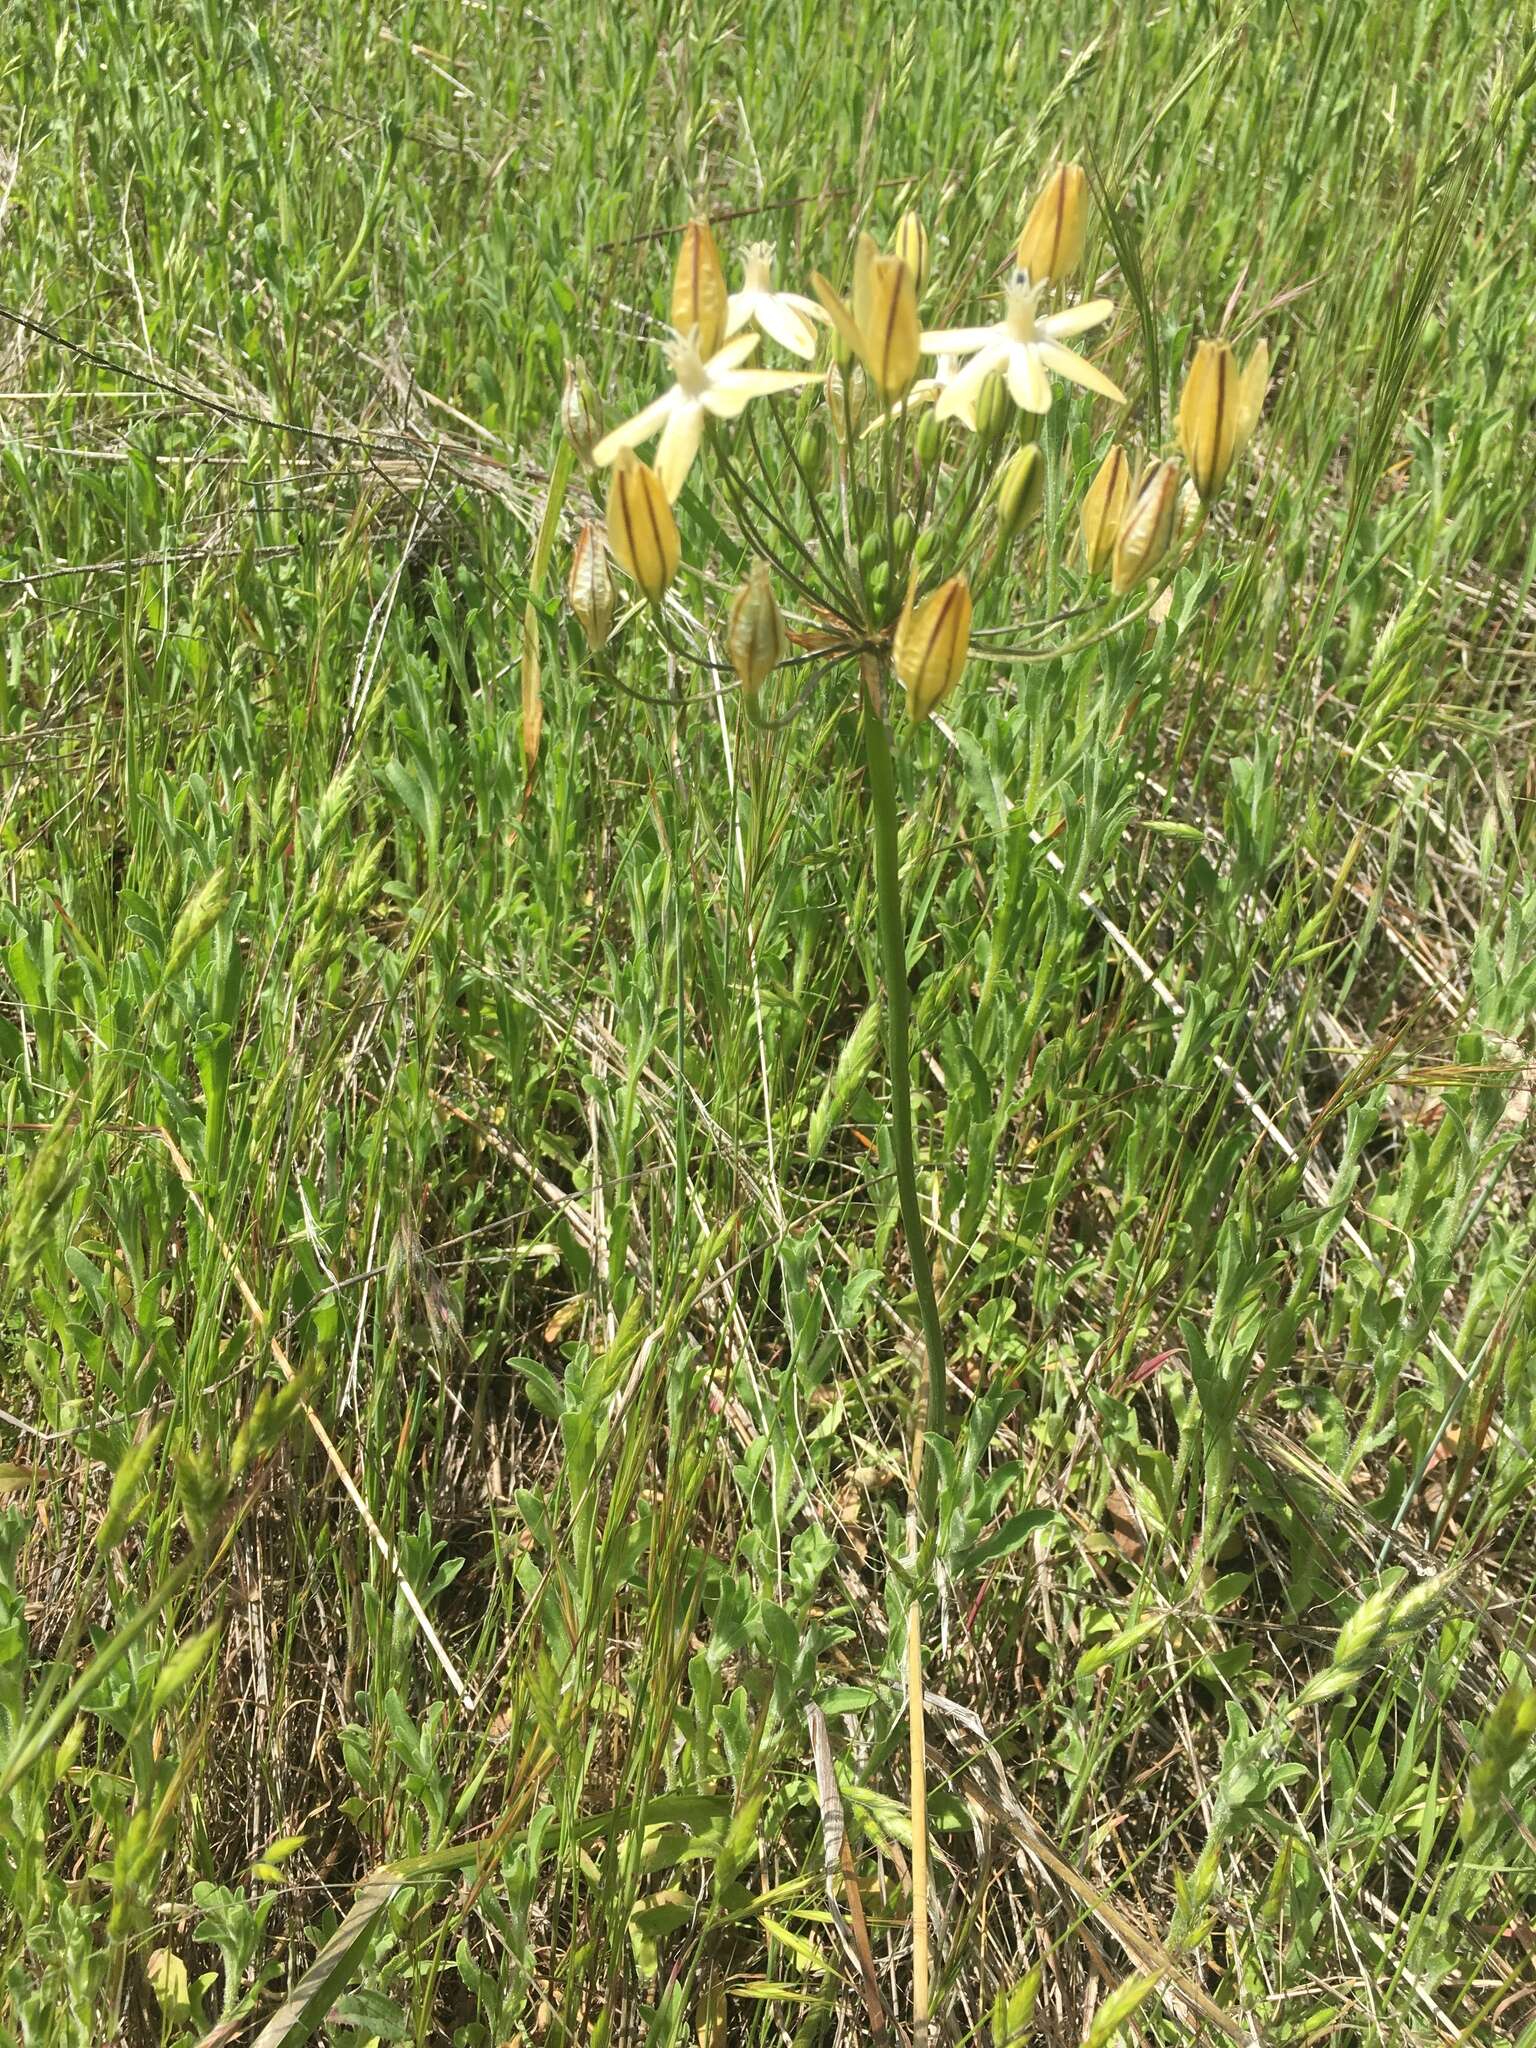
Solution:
(898, 1047)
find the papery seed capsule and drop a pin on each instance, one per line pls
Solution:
(911, 245)
(892, 337)
(1051, 245)
(1104, 508)
(580, 412)
(1147, 528)
(846, 391)
(1209, 410)
(1020, 491)
(589, 588)
(756, 638)
(930, 437)
(641, 529)
(930, 644)
(992, 406)
(699, 296)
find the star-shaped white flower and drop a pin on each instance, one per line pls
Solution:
(785, 317)
(720, 386)
(1025, 346)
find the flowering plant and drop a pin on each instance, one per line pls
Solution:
(883, 529)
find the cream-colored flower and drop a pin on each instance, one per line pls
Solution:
(1025, 346)
(785, 317)
(720, 386)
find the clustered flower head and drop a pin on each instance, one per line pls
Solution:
(884, 530)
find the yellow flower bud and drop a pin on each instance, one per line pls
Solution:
(1104, 508)
(1208, 416)
(1020, 491)
(756, 639)
(699, 296)
(891, 333)
(911, 245)
(589, 588)
(846, 393)
(930, 645)
(1147, 528)
(580, 413)
(880, 324)
(1051, 245)
(641, 529)
(1251, 389)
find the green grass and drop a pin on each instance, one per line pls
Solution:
(536, 1117)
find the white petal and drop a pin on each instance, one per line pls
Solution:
(640, 428)
(1075, 319)
(960, 341)
(728, 397)
(739, 308)
(729, 354)
(781, 323)
(809, 309)
(1066, 364)
(1028, 385)
(679, 445)
(958, 399)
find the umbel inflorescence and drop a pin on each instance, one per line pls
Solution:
(873, 512)
(873, 525)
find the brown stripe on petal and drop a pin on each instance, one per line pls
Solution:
(1223, 397)
(655, 525)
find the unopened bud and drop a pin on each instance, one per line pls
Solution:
(589, 588)
(911, 245)
(892, 339)
(756, 639)
(699, 293)
(1104, 508)
(641, 529)
(930, 645)
(580, 412)
(846, 393)
(1051, 245)
(1147, 529)
(992, 406)
(1020, 491)
(1208, 417)
(929, 438)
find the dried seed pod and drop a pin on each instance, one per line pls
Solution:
(589, 588)
(581, 413)
(1051, 245)
(641, 529)
(756, 638)
(1104, 508)
(699, 295)
(1147, 528)
(930, 644)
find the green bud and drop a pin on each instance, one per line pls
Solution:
(904, 533)
(992, 407)
(871, 550)
(1020, 491)
(929, 438)
(879, 582)
(808, 448)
